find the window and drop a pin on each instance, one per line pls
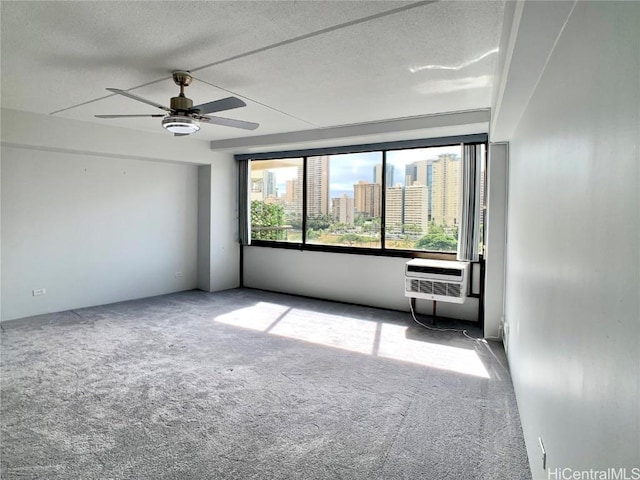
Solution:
(406, 197)
(423, 199)
(344, 200)
(276, 200)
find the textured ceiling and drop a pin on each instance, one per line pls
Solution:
(298, 65)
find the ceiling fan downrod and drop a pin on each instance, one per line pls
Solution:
(181, 102)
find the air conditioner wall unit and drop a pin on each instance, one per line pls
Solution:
(438, 280)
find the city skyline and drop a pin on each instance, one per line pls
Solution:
(421, 196)
(349, 169)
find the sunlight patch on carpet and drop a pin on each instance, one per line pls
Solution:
(355, 335)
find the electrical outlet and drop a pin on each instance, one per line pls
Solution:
(543, 455)
(178, 274)
(39, 291)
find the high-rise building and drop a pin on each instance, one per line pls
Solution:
(415, 204)
(293, 195)
(410, 173)
(424, 175)
(377, 174)
(263, 184)
(317, 185)
(292, 191)
(342, 209)
(367, 199)
(445, 190)
(394, 207)
(269, 184)
(423, 172)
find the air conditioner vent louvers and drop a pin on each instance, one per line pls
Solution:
(437, 280)
(435, 288)
(453, 290)
(439, 288)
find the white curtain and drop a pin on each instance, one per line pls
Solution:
(244, 205)
(469, 231)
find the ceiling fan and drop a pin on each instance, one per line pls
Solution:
(182, 117)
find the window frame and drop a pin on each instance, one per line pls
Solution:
(384, 147)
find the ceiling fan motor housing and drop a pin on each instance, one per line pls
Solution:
(181, 103)
(182, 78)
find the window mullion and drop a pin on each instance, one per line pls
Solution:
(304, 200)
(383, 201)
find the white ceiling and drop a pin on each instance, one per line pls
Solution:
(299, 65)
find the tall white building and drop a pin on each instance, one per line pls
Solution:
(446, 190)
(416, 206)
(394, 207)
(342, 209)
(367, 198)
(293, 195)
(317, 185)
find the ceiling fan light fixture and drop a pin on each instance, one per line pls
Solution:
(180, 125)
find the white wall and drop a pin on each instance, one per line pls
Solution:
(495, 226)
(95, 213)
(360, 279)
(573, 249)
(93, 230)
(224, 249)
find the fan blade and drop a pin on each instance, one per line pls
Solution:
(181, 134)
(229, 122)
(131, 116)
(218, 105)
(140, 99)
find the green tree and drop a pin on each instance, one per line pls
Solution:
(437, 240)
(319, 222)
(436, 229)
(313, 235)
(353, 239)
(265, 215)
(372, 224)
(411, 228)
(295, 220)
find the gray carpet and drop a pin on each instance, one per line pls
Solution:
(245, 384)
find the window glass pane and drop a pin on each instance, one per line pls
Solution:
(344, 199)
(423, 199)
(276, 200)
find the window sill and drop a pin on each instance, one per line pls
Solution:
(355, 250)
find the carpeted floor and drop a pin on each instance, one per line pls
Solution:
(245, 384)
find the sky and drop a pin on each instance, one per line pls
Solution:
(347, 169)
